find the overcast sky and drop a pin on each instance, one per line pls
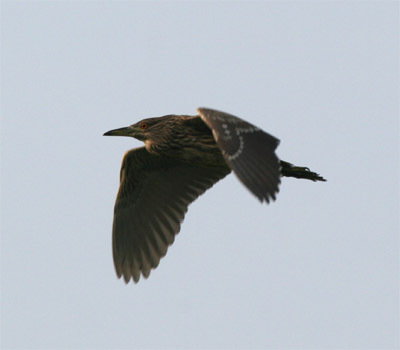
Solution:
(318, 268)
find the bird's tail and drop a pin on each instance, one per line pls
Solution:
(291, 170)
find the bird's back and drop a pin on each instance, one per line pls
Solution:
(190, 140)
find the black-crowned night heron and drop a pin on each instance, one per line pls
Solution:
(184, 156)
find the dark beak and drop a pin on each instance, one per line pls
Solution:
(128, 131)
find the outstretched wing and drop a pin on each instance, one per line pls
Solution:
(152, 200)
(248, 150)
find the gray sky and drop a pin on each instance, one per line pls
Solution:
(319, 268)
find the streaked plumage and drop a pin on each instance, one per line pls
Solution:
(182, 158)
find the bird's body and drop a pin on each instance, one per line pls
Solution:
(188, 139)
(184, 156)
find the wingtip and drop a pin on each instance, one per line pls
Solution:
(127, 279)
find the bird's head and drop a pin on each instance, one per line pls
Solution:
(147, 130)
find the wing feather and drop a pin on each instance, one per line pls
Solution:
(249, 151)
(152, 201)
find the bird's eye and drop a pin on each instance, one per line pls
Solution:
(143, 125)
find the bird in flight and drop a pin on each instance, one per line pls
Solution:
(183, 157)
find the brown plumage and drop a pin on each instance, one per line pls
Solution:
(182, 158)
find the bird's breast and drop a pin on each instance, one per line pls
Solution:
(149, 145)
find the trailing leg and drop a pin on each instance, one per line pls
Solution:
(291, 170)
